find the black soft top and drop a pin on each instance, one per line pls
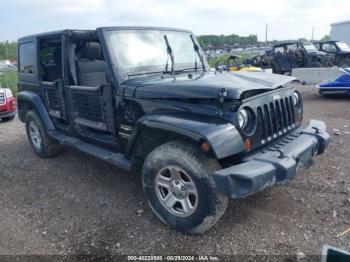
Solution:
(288, 43)
(91, 33)
(58, 32)
(327, 42)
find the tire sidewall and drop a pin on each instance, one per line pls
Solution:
(207, 195)
(316, 65)
(31, 117)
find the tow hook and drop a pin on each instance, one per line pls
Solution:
(316, 130)
(282, 155)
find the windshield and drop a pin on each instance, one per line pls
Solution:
(310, 48)
(343, 46)
(136, 51)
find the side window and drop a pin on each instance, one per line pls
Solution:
(50, 58)
(279, 50)
(27, 58)
(329, 48)
(292, 48)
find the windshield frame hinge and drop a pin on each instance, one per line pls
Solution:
(223, 93)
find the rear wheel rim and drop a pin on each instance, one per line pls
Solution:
(35, 136)
(176, 191)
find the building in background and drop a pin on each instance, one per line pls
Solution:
(341, 31)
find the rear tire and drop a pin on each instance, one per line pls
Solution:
(182, 163)
(42, 145)
(315, 65)
(330, 64)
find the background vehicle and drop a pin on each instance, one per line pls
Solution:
(285, 56)
(340, 50)
(142, 98)
(235, 63)
(7, 105)
(339, 86)
(259, 61)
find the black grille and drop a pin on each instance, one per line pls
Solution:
(2, 98)
(276, 118)
(88, 107)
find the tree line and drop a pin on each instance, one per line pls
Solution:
(8, 50)
(218, 41)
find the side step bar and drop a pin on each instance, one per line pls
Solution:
(116, 159)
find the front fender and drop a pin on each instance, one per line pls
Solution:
(38, 105)
(221, 135)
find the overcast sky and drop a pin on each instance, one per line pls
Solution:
(287, 19)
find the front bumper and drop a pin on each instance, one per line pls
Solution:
(276, 165)
(4, 114)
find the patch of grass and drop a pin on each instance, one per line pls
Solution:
(9, 79)
(223, 59)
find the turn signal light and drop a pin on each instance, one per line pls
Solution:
(205, 147)
(301, 118)
(248, 144)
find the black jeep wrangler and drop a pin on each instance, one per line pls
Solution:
(283, 57)
(340, 51)
(145, 100)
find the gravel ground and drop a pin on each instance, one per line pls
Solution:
(76, 204)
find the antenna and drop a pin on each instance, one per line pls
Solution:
(267, 28)
(313, 33)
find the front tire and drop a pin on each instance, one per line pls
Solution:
(9, 118)
(178, 184)
(42, 145)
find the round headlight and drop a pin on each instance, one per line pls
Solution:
(297, 102)
(296, 99)
(243, 118)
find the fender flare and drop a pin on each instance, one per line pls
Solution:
(222, 136)
(38, 105)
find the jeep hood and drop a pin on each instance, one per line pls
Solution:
(207, 85)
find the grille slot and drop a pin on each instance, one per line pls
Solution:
(276, 118)
(2, 98)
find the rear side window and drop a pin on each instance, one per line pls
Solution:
(329, 48)
(50, 58)
(27, 58)
(279, 50)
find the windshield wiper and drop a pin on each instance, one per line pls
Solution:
(186, 69)
(196, 48)
(171, 54)
(145, 73)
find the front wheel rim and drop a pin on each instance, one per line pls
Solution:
(35, 136)
(176, 191)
